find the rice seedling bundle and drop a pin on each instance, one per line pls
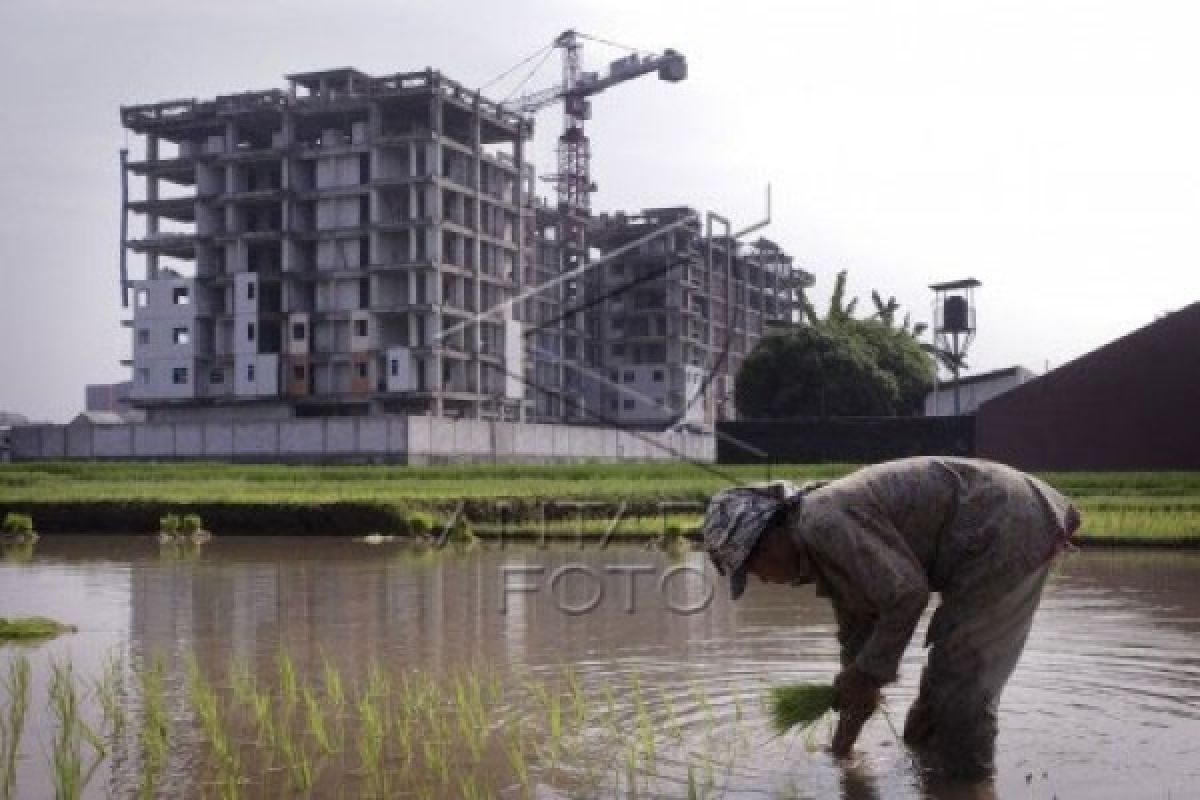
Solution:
(798, 705)
(27, 628)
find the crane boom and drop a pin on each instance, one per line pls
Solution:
(573, 179)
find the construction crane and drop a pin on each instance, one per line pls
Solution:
(573, 180)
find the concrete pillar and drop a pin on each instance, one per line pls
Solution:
(476, 256)
(151, 197)
(433, 209)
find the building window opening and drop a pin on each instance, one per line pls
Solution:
(179, 376)
(216, 377)
(143, 336)
(250, 332)
(181, 296)
(250, 373)
(181, 336)
(360, 327)
(298, 331)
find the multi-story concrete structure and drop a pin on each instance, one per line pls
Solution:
(331, 249)
(675, 316)
(321, 250)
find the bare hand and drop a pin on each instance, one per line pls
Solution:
(857, 697)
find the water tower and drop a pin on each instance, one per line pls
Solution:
(954, 325)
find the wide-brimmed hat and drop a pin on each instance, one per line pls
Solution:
(734, 521)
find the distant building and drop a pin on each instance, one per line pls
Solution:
(1130, 405)
(974, 391)
(108, 397)
(361, 245)
(8, 421)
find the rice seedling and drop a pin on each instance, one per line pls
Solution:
(30, 629)
(105, 689)
(264, 720)
(170, 524)
(241, 682)
(12, 724)
(288, 686)
(71, 733)
(154, 734)
(798, 705)
(301, 773)
(18, 551)
(371, 732)
(190, 524)
(514, 749)
(315, 719)
(16, 524)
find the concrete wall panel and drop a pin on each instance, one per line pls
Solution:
(372, 435)
(189, 440)
(112, 441)
(256, 438)
(54, 442)
(154, 441)
(302, 436)
(340, 435)
(218, 440)
(79, 440)
(398, 435)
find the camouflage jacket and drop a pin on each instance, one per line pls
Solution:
(883, 538)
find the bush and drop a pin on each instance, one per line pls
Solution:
(420, 523)
(18, 523)
(191, 523)
(461, 531)
(170, 523)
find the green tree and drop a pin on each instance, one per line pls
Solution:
(814, 371)
(839, 365)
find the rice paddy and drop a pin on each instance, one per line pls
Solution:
(498, 499)
(232, 732)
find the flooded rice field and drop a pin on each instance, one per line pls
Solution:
(331, 668)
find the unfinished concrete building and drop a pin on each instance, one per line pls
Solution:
(320, 250)
(327, 250)
(674, 317)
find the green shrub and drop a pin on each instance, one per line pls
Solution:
(461, 531)
(191, 523)
(18, 523)
(420, 523)
(170, 523)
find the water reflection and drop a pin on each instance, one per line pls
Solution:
(1106, 702)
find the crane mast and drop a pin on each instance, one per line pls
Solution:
(573, 181)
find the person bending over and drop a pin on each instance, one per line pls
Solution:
(877, 543)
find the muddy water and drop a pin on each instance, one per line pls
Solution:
(1105, 703)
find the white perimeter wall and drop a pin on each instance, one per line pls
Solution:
(395, 438)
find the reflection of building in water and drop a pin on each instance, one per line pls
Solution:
(408, 608)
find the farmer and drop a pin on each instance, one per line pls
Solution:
(876, 543)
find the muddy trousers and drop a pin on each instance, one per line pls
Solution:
(954, 718)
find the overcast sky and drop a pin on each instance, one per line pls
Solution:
(1050, 149)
